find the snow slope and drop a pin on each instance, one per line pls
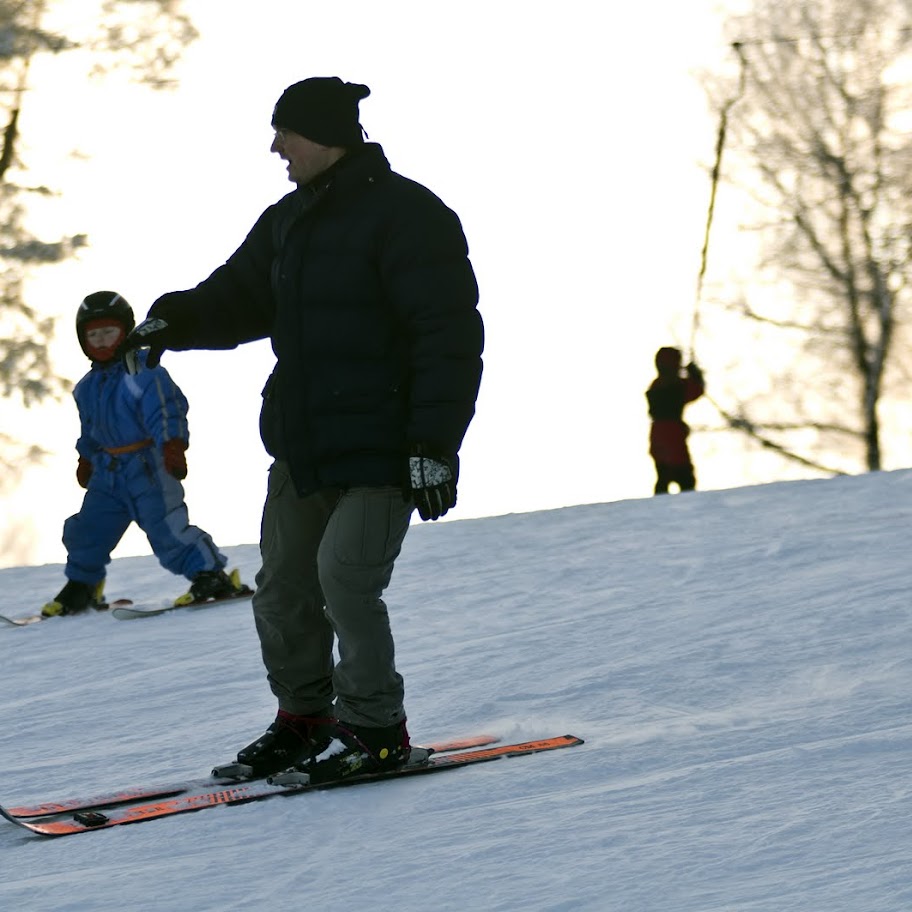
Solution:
(738, 662)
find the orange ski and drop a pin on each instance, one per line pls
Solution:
(132, 794)
(100, 818)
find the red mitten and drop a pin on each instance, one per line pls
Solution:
(83, 472)
(175, 461)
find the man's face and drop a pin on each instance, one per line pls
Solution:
(306, 159)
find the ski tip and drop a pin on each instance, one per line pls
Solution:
(23, 621)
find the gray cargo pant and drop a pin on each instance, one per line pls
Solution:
(327, 559)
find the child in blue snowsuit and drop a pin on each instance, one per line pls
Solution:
(131, 461)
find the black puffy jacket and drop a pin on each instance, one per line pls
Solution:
(362, 280)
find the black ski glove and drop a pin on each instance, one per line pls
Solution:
(169, 324)
(694, 372)
(432, 479)
(154, 334)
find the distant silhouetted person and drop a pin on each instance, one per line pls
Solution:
(667, 396)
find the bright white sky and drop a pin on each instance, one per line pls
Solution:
(573, 143)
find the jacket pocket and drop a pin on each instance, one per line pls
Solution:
(271, 418)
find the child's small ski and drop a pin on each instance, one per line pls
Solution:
(36, 618)
(132, 612)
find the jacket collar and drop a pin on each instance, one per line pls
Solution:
(360, 166)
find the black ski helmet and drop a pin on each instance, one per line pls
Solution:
(103, 305)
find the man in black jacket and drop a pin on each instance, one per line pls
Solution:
(361, 279)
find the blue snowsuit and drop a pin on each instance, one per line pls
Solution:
(134, 415)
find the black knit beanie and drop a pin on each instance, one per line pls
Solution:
(323, 109)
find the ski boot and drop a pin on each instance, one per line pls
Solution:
(355, 750)
(289, 740)
(212, 585)
(74, 598)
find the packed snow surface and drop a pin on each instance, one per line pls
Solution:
(738, 662)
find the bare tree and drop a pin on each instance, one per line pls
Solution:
(146, 36)
(816, 105)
